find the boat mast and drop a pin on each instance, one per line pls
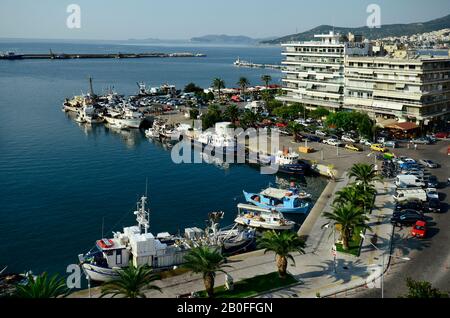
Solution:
(142, 215)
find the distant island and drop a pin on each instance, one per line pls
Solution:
(389, 30)
(229, 39)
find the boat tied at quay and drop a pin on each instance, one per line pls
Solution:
(137, 246)
(265, 219)
(284, 201)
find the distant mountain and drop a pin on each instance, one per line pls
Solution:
(225, 39)
(376, 33)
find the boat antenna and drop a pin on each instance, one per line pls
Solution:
(146, 186)
(103, 225)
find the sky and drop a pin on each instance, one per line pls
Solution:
(183, 19)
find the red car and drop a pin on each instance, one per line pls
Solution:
(281, 125)
(441, 135)
(420, 229)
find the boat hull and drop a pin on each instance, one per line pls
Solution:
(304, 209)
(99, 274)
(263, 225)
(130, 123)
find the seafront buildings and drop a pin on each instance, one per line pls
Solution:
(314, 71)
(415, 88)
(349, 73)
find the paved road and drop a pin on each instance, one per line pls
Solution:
(430, 258)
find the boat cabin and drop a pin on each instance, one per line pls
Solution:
(278, 197)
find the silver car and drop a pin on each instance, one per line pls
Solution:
(429, 163)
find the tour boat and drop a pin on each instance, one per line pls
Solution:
(259, 218)
(290, 163)
(219, 140)
(284, 201)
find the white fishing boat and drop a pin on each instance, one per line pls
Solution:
(259, 218)
(126, 118)
(219, 140)
(136, 246)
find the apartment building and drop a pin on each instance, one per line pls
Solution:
(413, 88)
(314, 70)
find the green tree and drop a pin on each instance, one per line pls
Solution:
(423, 290)
(206, 261)
(319, 113)
(356, 195)
(243, 84)
(212, 116)
(295, 129)
(231, 113)
(347, 218)
(218, 84)
(364, 174)
(132, 282)
(248, 119)
(266, 79)
(193, 88)
(43, 287)
(193, 113)
(282, 244)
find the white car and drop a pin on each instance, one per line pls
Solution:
(429, 163)
(349, 139)
(320, 133)
(432, 193)
(333, 142)
(365, 141)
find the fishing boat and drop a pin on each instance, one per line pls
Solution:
(259, 218)
(219, 140)
(136, 246)
(127, 118)
(284, 201)
(290, 163)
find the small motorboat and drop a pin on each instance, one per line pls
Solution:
(259, 218)
(284, 201)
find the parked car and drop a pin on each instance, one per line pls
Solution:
(432, 193)
(420, 141)
(353, 147)
(419, 230)
(407, 217)
(378, 147)
(321, 133)
(409, 205)
(432, 181)
(441, 135)
(349, 139)
(364, 141)
(429, 163)
(333, 142)
(312, 138)
(433, 205)
(390, 144)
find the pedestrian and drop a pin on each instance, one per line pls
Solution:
(415, 146)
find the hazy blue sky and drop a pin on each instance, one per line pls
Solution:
(181, 19)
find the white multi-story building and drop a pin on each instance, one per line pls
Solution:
(314, 70)
(414, 88)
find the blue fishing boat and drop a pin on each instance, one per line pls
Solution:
(284, 201)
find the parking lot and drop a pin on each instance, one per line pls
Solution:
(430, 257)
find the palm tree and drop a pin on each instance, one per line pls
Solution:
(266, 79)
(131, 283)
(206, 261)
(243, 84)
(364, 174)
(348, 218)
(249, 119)
(43, 287)
(282, 244)
(295, 129)
(218, 84)
(232, 113)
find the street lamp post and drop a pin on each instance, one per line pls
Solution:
(383, 255)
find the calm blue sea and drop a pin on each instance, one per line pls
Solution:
(59, 180)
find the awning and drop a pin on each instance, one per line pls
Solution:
(403, 126)
(383, 123)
